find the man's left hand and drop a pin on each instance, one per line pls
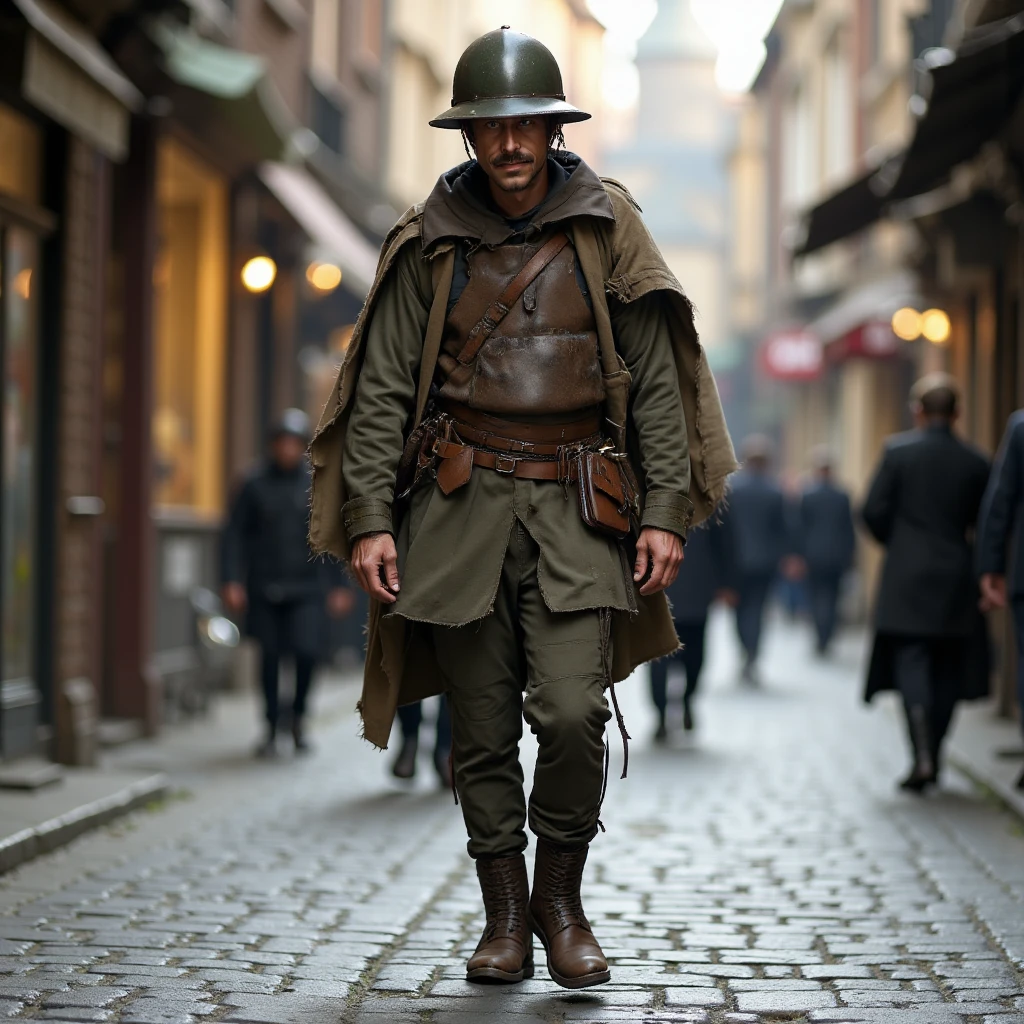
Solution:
(662, 550)
(340, 602)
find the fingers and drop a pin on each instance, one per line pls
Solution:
(643, 557)
(367, 561)
(391, 568)
(666, 552)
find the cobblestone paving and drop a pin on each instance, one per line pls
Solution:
(767, 871)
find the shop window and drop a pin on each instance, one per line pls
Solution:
(190, 292)
(20, 155)
(19, 293)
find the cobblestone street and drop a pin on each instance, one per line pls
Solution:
(766, 870)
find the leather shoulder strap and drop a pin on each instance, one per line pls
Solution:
(441, 278)
(513, 291)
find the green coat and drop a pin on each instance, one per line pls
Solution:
(463, 538)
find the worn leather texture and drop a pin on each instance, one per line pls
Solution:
(543, 357)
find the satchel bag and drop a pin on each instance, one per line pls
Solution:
(607, 496)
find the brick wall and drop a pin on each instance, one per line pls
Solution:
(79, 593)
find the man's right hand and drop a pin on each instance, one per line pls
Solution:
(375, 564)
(993, 591)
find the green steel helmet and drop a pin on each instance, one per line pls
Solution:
(507, 74)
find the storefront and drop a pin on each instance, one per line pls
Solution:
(22, 224)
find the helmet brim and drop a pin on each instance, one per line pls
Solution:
(509, 106)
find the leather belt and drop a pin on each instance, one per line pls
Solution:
(513, 445)
(499, 428)
(507, 465)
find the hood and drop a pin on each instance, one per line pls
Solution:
(458, 206)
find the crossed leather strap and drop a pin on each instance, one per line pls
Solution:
(499, 308)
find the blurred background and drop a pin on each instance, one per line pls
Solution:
(193, 194)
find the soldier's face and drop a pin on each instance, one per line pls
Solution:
(511, 150)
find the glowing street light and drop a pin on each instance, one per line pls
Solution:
(935, 326)
(906, 324)
(324, 277)
(258, 273)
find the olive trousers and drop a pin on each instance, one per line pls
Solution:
(525, 661)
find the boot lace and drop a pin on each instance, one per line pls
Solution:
(563, 897)
(503, 902)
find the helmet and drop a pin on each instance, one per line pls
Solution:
(293, 423)
(507, 74)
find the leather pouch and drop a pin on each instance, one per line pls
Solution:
(606, 496)
(455, 472)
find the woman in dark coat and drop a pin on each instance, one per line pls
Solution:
(930, 640)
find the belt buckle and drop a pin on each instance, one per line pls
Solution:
(505, 464)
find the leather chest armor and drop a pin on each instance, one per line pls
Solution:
(543, 357)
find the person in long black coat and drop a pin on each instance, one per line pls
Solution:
(269, 573)
(706, 573)
(761, 538)
(930, 640)
(826, 543)
(1002, 521)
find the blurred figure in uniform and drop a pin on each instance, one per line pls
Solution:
(930, 638)
(269, 573)
(410, 717)
(826, 542)
(757, 510)
(706, 574)
(1002, 518)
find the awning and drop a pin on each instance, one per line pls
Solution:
(845, 212)
(972, 96)
(237, 93)
(67, 74)
(874, 301)
(335, 239)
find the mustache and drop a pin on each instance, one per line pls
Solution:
(518, 157)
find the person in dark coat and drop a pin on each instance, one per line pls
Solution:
(706, 574)
(410, 718)
(930, 638)
(269, 573)
(826, 543)
(1002, 518)
(757, 510)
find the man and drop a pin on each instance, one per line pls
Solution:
(930, 641)
(757, 508)
(268, 572)
(826, 542)
(1002, 513)
(527, 304)
(706, 574)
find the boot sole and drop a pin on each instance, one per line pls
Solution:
(587, 981)
(496, 976)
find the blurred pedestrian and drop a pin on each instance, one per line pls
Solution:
(791, 582)
(930, 639)
(757, 510)
(410, 718)
(706, 574)
(1002, 518)
(826, 543)
(269, 574)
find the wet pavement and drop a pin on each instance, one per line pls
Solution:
(765, 869)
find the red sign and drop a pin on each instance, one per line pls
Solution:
(871, 340)
(794, 354)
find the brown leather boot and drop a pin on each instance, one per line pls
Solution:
(556, 916)
(505, 950)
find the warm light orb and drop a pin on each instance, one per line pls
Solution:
(935, 326)
(258, 273)
(324, 277)
(906, 324)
